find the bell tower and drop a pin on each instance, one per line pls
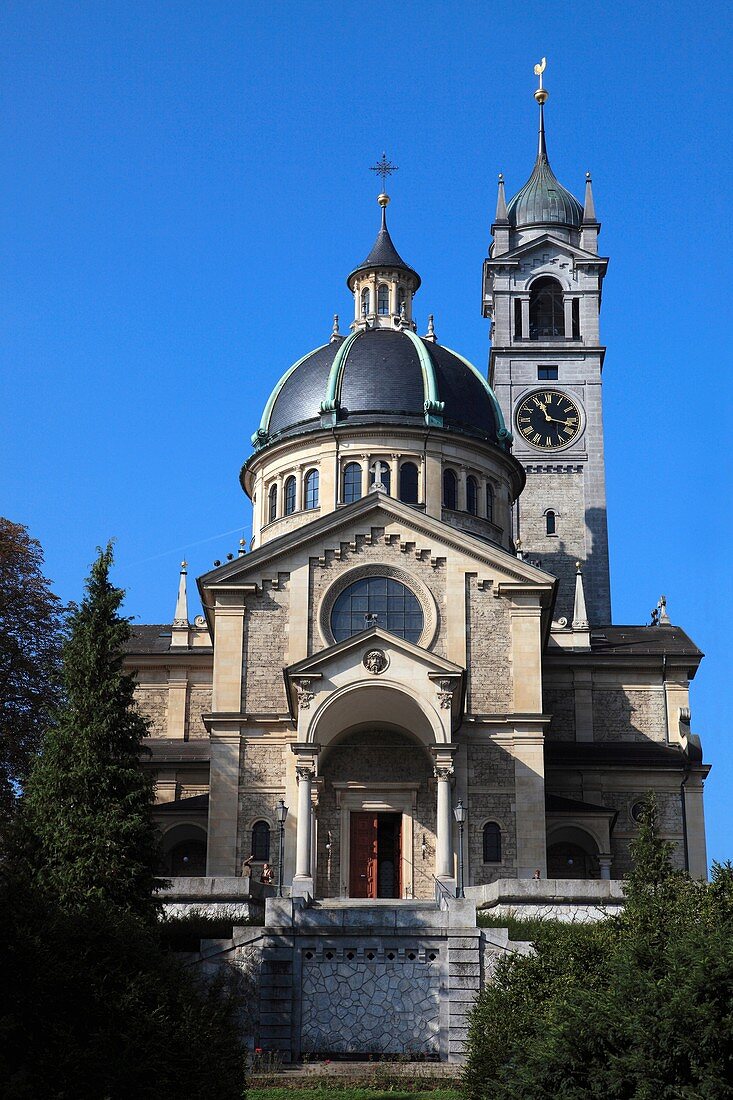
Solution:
(542, 292)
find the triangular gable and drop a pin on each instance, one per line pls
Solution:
(378, 510)
(578, 254)
(446, 674)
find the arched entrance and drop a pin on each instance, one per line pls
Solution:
(375, 820)
(184, 851)
(572, 853)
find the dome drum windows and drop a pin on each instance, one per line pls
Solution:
(472, 495)
(450, 490)
(489, 502)
(383, 299)
(351, 483)
(310, 494)
(365, 302)
(409, 483)
(290, 496)
(272, 504)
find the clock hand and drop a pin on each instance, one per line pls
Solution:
(544, 409)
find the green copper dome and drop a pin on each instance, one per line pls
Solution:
(543, 200)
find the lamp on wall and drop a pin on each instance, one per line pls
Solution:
(460, 815)
(282, 812)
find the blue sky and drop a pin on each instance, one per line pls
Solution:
(185, 187)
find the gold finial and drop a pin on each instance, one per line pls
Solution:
(541, 94)
(184, 566)
(383, 199)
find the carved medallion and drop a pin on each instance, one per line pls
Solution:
(375, 660)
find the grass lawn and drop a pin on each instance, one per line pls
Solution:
(336, 1092)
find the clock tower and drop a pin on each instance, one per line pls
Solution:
(542, 291)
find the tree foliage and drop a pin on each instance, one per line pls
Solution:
(30, 644)
(93, 1005)
(636, 1006)
(88, 801)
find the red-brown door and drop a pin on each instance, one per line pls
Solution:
(363, 872)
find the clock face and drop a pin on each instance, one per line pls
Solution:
(548, 419)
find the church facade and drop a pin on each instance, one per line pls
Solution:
(422, 622)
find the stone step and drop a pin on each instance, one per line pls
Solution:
(372, 903)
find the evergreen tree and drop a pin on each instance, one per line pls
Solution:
(636, 1006)
(88, 801)
(30, 646)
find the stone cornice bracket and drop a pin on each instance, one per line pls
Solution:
(300, 690)
(306, 761)
(443, 760)
(446, 685)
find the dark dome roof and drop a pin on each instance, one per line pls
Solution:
(382, 376)
(543, 200)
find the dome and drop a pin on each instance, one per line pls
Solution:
(543, 200)
(386, 377)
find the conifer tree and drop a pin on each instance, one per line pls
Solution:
(88, 801)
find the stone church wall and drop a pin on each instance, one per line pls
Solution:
(261, 785)
(559, 701)
(488, 651)
(198, 702)
(265, 648)
(628, 714)
(484, 806)
(152, 702)
(370, 758)
(373, 551)
(560, 489)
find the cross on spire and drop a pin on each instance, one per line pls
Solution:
(384, 168)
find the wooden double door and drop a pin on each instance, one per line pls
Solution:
(376, 855)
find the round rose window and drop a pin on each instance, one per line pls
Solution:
(377, 601)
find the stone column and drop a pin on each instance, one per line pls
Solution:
(307, 756)
(605, 865)
(394, 476)
(303, 849)
(177, 693)
(568, 307)
(298, 488)
(444, 863)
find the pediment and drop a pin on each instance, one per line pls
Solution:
(376, 658)
(413, 533)
(559, 246)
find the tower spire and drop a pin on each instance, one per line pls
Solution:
(589, 209)
(501, 217)
(179, 634)
(541, 96)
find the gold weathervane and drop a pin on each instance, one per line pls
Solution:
(541, 94)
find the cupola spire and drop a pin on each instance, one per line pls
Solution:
(179, 633)
(383, 285)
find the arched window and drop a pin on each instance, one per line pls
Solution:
(550, 523)
(272, 507)
(408, 482)
(365, 301)
(290, 496)
(352, 483)
(472, 495)
(261, 841)
(449, 489)
(377, 601)
(401, 300)
(546, 310)
(489, 503)
(383, 299)
(311, 489)
(492, 842)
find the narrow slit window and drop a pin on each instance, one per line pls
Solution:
(365, 301)
(550, 523)
(261, 841)
(272, 505)
(449, 489)
(383, 299)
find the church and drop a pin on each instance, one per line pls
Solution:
(407, 697)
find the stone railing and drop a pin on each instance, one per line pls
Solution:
(571, 900)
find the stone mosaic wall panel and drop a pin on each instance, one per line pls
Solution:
(488, 651)
(362, 1001)
(265, 646)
